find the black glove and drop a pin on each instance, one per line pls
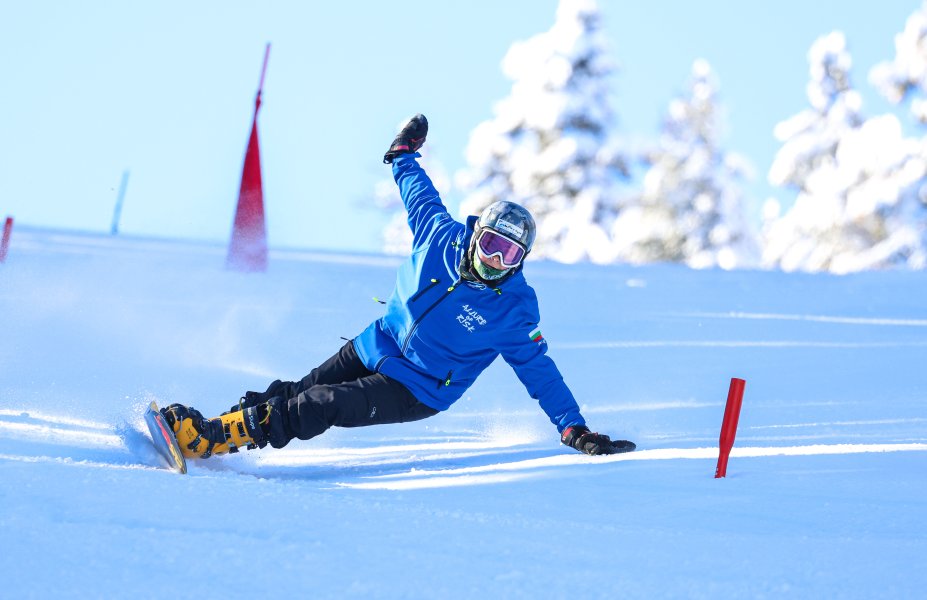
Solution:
(409, 140)
(580, 438)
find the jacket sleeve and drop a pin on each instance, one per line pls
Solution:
(419, 196)
(526, 352)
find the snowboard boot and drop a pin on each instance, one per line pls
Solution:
(199, 437)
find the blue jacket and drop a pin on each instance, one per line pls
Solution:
(440, 331)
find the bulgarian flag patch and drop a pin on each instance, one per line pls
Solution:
(536, 336)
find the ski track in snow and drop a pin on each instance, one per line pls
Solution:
(27, 436)
(733, 344)
(391, 465)
(876, 321)
(764, 343)
(497, 473)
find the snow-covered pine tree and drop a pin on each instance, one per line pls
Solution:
(809, 139)
(859, 182)
(550, 146)
(690, 209)
(906, 75)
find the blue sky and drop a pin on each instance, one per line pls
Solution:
(166, 89)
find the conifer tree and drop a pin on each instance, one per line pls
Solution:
(905, 76)
(859, 181)
(550, 146)
(690, 209)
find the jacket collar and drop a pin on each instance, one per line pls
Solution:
(471, 228)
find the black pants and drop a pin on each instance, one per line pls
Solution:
(340, 392)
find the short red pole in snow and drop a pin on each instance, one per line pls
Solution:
(735, 398)
(5, 243)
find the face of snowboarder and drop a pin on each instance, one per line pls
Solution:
(495, 255)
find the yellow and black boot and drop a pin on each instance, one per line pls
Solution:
(199, 437)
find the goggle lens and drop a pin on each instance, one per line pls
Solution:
(510, 253)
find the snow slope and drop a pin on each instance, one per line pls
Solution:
(825, 495)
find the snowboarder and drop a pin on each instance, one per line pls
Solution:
(460, 301)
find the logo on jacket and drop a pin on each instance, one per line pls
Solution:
(469, 318)
(536, 336)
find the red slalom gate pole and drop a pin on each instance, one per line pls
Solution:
(735, 396)
(248, 247)
(5, 242)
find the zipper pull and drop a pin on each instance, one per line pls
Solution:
(447, 380)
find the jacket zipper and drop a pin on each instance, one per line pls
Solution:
(418, 294)
(418, 321)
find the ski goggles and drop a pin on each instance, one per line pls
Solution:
(510, 252)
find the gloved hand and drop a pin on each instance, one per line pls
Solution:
(195, 434)
(580, 438)
(409, 140)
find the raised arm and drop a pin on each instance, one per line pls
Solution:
(418, 193)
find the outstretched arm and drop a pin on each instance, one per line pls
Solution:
(418, 193)
(419, 196)
(525, 350)
(526, 353)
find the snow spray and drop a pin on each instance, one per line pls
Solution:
(5, 242)
(735, 397)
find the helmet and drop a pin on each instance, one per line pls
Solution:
(511, 220)
(502, 238)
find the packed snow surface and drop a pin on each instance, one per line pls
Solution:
(826, 495)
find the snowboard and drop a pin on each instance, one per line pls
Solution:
(620, 446)
(163, 439)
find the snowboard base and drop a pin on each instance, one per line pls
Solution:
(163, 439)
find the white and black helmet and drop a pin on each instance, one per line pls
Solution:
(511, 220)
(502, 238)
